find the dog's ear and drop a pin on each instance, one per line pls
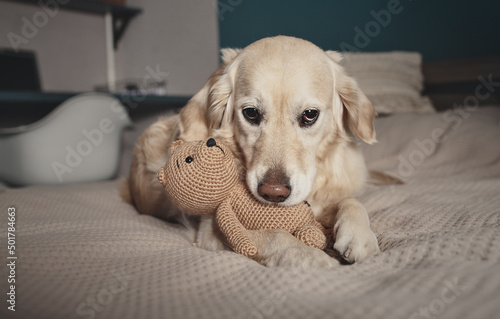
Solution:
(221, 97)
(205, 110)
(358, 111)
(335, 56)
(228, 54)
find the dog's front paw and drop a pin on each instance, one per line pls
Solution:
(354, 242)
(299, 257)
(278, 248)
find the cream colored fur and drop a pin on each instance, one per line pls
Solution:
(281, 77)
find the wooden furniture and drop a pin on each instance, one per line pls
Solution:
(116, 19)
(120, 15)
(22, 108)
(449, 83)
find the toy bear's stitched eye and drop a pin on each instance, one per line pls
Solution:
(189, 159)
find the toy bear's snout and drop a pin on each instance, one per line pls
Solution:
(211, 142)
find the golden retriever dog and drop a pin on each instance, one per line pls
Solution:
(292, 116)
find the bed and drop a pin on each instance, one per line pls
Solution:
(84, 253)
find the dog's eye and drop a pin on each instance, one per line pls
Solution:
(252, 115)
(308, 117)
(189, 159)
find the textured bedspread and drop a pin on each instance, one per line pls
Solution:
(82, 253)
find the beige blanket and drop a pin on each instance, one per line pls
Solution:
(83, 253)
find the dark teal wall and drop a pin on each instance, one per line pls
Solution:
(440, 30)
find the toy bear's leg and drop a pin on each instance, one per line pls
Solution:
(311, 236)
(234, 231)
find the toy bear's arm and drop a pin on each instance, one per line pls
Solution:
(234, 231)
(311, 236)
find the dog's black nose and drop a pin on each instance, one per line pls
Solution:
(211, 142)
(274, 193)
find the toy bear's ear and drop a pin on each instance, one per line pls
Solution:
(161, 176)
(175, 145)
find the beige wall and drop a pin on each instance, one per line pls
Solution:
(177, 37)
(70, 46)
(180, 36)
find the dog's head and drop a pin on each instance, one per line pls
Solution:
(285, 102)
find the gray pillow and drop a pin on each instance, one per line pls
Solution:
(392, 81)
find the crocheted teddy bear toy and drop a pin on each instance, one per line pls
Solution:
(201, 178)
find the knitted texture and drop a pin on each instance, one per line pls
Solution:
(198, 178)
(201, 178)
